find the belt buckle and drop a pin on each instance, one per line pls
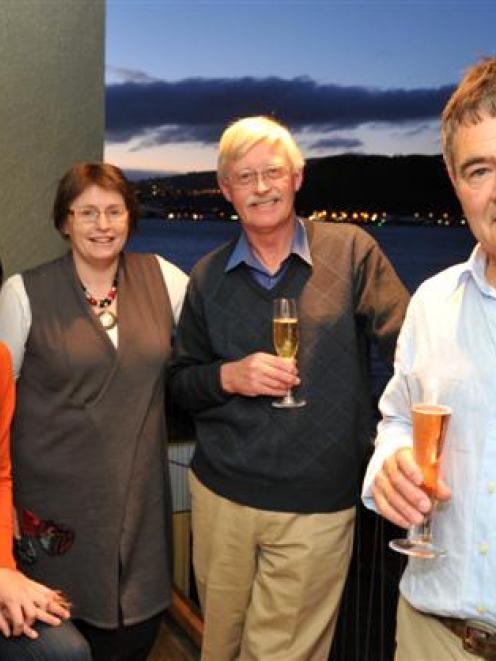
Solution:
(476, 634)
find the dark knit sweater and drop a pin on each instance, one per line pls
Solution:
(300, 460)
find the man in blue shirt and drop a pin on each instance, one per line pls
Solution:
(447, 353)
(273, 489)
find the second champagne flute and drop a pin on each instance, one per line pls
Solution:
(285, 334)
(429, 423)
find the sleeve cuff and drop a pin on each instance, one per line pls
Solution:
(384, 449)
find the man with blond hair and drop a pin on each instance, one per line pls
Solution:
(447, 607)
(274, 490)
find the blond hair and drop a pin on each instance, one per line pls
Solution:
(245, 133)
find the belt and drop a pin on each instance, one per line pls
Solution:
(477, 637)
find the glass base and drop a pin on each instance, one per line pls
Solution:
(289, 403)
(416, 548)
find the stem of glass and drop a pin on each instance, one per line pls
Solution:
(423, 532)
(288, 397)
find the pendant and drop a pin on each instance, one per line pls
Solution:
(107, 318)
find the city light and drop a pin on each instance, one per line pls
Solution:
(161, 198)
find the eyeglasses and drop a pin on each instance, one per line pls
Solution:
(248, 178)
(89, 214)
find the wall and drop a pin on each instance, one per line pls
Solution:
(51, 115)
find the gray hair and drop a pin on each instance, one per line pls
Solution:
(245, 133)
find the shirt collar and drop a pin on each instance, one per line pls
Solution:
(476, 268)
(242, 252)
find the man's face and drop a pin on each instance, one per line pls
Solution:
(473, 175)
(262, 186)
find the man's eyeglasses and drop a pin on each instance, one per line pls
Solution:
(249, 178)
(89, 214)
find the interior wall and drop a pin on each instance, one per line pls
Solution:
(51, 115)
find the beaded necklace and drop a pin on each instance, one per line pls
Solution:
(107, 318)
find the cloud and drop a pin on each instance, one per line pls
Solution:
(129, 75)
(197, 109)
(205, 134)
(336, 143)
(421, 128)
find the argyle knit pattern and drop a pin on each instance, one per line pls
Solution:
(301, 460)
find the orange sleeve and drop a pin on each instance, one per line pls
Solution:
(7, 399)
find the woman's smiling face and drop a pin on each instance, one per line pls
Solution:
(97, 225)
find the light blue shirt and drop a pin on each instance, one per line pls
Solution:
(243, 254)
(447, 352)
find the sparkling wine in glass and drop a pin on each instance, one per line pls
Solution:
(285, 334)
(430, 422)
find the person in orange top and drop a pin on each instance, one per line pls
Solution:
(31, 614)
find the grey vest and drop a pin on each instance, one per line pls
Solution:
(89, 441)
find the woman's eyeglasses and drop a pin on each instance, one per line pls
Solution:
(89, 214)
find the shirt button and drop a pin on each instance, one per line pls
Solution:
(483, 548)
(491, 486)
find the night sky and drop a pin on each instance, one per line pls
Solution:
(349, 76)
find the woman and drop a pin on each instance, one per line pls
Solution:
(26, 608)
(90, 337)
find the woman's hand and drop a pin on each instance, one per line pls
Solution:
(23, 601)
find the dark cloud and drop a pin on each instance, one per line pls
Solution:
(130, 75)
(204, 133)
(335, 143)
(196, 109)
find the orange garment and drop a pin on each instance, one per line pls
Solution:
(7, 399)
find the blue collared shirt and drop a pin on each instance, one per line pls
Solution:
(447, 352)
(243, 254)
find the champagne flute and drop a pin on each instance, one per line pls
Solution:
(430, 422)
(285, 334)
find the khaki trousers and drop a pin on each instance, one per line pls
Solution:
(421, 637)
(269, 583)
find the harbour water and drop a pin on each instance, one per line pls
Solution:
(416, 252)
